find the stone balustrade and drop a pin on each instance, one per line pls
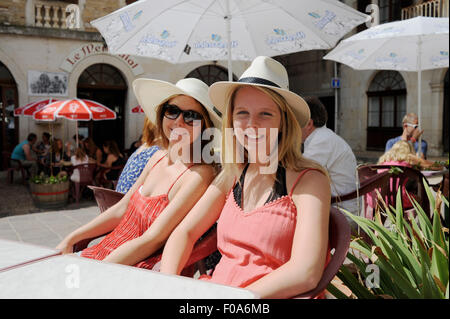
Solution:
(51, 14)
(435, 9)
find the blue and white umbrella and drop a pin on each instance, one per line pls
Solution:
(415, 44)
(181, 31)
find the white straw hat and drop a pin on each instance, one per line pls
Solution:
(264, 72)
(150, 93)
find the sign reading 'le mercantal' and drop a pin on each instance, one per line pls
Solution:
(97, 48)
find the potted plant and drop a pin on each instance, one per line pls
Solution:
(407, 259)
(50, 191)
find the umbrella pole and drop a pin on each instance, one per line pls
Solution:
(419, 109)
(228, 28)
(419, 95)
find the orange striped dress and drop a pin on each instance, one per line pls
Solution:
(139, 216)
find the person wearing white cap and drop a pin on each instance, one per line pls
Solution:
(272, 225)
(169, 185)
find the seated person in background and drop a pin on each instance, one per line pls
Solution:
(113, 158)
(332, 152)
(44, 146)
(411, 132)
(138, 159)
(92, 150)
(402, 153)
(79, 158)
(170, 184)
(80, 142)
(59, 157)
(23, 153)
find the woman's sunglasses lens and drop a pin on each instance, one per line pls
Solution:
(172, 112)
(190, 116)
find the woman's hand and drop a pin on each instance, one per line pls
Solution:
(66, 247)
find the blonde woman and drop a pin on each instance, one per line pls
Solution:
(169, 185)
(272, 224)
(402, 153)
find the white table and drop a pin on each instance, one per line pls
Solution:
(13, 254)
(70, 276)
(434, 177)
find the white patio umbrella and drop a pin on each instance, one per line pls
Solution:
(415, 44)
(181, 31)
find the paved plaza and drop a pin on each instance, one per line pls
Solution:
(21, 221)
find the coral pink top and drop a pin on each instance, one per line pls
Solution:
(140, 214)
(254, 243)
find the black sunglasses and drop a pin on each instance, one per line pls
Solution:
(172, 112)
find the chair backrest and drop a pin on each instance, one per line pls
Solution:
(86, 172)
(105, 197)
(339, 240)
(367, 185)
(406, 178)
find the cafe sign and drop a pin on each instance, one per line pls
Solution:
(90, 49)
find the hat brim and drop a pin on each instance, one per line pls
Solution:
(151, 93)
(219, 93)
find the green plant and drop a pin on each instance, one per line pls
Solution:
(411, 254)
(45, 179)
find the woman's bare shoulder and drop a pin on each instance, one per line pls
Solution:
(205, 171)
(311, 180)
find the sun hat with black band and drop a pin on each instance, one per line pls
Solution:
(151, 93)
(264, 72)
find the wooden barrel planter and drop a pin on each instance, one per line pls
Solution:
(50, 195)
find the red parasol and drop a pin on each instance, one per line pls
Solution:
(137, 109)
(33, 107)
(76, 110)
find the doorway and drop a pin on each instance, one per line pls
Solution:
(105, 84)
(9, 124)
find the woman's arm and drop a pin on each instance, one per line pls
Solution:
(202, 216)
(106, 221)
(111, 158)
(309, 249)
(416, 160)
(98, 156)
(193, 185)
(27, 150)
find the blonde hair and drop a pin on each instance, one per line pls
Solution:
(80, 154)
(400, 152)
(289, 138)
